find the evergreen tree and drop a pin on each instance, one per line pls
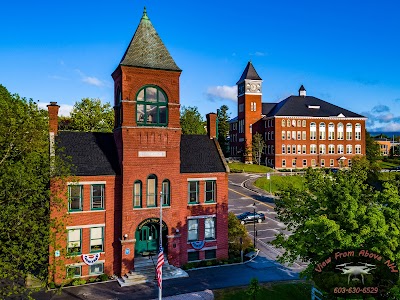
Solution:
(223, 129)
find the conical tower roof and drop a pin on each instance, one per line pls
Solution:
(249, 73)
(147, 50)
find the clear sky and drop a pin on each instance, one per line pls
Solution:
(344, 52)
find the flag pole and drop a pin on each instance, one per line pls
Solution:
(160, 285)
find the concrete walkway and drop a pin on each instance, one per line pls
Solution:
(204, 295)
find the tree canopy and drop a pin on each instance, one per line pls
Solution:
(338, 211)
(191, 121)
(24, 193)
(223, 129)
(258, 145)
(90, 114)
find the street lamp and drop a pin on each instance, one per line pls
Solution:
(254, 222)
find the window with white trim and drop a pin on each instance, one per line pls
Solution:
(322, 133)
(283, 149)
(322, 149)
(331, 149)
(209, 228)
(358, 131)
(313, 131)
(97, 197)
(331, 162)
(358, 149)
(193, 191)
(322, 162)
(137, 194)
(340, 149)
(96, 269)
(283, 135)
(152, 191)
(313, 149)
(210, 191)
(331, 131)
(96, 239)
(304, 149)
(193, 230)
(340, 131)
(349, 149)
(75, 197)
(349, 131)
(74, 245)
(74, 271)
(304, 162)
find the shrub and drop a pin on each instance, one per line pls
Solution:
(52, 285)
(103, 277)
(78, 281)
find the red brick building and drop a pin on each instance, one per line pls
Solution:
(300, 131)
(124, 176)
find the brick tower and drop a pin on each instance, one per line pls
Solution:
(249, 107)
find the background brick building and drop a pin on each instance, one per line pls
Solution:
(124, 176)
(300, 131)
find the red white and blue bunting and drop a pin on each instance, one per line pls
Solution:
(198, 244)
(90, 259)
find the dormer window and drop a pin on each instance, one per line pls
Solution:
(151, 107)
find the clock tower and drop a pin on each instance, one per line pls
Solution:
(249, 107)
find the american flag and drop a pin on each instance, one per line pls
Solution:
(160, 262)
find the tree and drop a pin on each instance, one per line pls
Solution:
(24, 194)
(223, 129)
(191, 121)
(372, 148)
(91, 115)
(257, 147)
(254, 288)
(338, 211)
(237, 236)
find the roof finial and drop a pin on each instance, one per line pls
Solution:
(145, 17)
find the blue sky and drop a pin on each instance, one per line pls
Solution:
(344, 52)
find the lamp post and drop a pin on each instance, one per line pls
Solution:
(254, 222)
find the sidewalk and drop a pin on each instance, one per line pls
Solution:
(197, 285)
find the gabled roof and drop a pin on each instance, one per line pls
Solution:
(91, 153)
(147, 50)
(249, 73)
(267, 107)
(199, 154)
(95, 153)
(310, 106)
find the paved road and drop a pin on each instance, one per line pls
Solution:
(264, 267)
(242, 196)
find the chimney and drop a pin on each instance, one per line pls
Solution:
(302, 91)
(212, 125)
(53, 117)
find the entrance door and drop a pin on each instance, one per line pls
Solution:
(147, 239)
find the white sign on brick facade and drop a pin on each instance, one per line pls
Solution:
(152, 154)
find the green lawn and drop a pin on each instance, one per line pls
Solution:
(237, 167)
(277, 182)
(274, 291)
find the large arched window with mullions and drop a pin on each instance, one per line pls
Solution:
(151, 107)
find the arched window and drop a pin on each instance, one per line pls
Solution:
(322, 149)
(349, 131)
(340, 131)
(151, 107)
(166, 192)
(340, 149)
(331, 131)
(358, 131)
(331, 149)
(304, 123)
(313, 131)
(152, 190)
(322, 133)
(283, 123)
(283, 149)
(137, 194)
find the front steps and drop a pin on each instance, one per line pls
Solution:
(145, 272)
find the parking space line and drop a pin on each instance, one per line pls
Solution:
(251, 198)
